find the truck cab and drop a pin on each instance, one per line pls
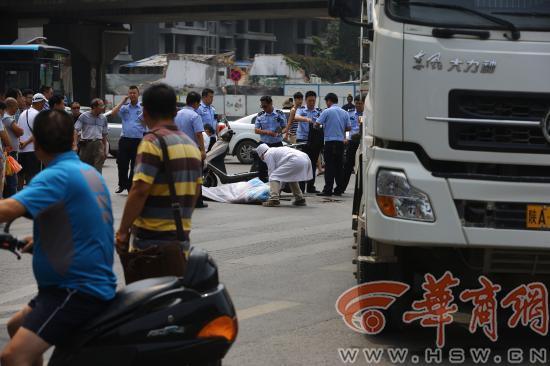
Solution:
(455, 168)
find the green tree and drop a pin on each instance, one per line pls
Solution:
(347, 49)
(339, 42)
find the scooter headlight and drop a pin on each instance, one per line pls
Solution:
(396, 197)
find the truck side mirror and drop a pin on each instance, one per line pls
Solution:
(344, 8)
(350, 12)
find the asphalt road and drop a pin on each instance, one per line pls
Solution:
(284, 267)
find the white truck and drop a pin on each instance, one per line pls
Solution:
(455, 159)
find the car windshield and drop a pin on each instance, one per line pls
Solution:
(524, 14)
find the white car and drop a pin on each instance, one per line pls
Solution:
(245, 139)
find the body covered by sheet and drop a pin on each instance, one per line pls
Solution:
(253, 191)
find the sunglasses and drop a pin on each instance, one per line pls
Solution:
(75, 107)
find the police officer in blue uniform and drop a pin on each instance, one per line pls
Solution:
(129, 110)
(335, 123)
(270, 125)
(311, 135)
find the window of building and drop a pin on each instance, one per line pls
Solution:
(269, 26)
(241, 26)
(254, 25)
(168, 43)
(315, 28)
(301, 29)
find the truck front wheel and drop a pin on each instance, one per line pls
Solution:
(400, 270)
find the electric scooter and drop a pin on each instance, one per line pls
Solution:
(159, 321)
(215, 171)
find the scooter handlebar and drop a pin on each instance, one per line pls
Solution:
(11, 244)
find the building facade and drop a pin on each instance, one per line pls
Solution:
(244, 37)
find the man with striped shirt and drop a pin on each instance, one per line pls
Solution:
(148, 211)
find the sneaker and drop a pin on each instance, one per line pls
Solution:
(271, 203)
(324, 194)
(300, 202)
(120, 189)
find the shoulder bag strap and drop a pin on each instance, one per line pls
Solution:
(27, 115)
(176, 207)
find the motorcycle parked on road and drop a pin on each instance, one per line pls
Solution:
(215, 171)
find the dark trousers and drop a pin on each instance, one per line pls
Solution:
(31, 167)
(313, 154)
(334, 165)
(262, 167)
(350, 163)
(127, 151)
(10, 185)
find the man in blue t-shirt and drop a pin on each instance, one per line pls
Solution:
(72, 244)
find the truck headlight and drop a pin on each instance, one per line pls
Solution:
(396, 197)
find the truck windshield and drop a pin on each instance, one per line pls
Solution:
(523, 14)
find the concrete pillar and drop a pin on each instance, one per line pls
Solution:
(93, 47)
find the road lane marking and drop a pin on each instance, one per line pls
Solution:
(18, 293)
(279, 235)
(265, 309)
(293, 253)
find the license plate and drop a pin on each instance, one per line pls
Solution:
(538, 217)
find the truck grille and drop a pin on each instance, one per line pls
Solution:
(498, 105)
(493, 215)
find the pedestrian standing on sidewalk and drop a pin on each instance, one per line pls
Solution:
(14, 132)
(149, 212)
(354, 140)
(292, 125)
(129, 109)
(91, 135)
(269, 124)
(28, 160)
(335, 122)
(206, 111)
(285, 165)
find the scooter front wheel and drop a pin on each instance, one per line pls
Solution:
(210, 179)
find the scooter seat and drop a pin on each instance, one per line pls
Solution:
(131, 296)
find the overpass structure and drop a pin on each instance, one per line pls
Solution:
(93, 29)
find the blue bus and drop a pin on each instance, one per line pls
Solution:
(31, 66)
